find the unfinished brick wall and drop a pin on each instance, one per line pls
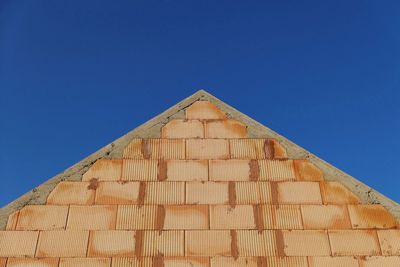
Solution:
(202, 195)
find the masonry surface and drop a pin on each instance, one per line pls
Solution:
(204, 191)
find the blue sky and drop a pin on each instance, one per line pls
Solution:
(75, 75)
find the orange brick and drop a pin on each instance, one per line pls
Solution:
(166, 148)
(111, 243)
(376, 261)
(26, 262)
(204, 110)
(133, 217)
(132, 262)
(282, 217)
(186, 262)
(139, 170)
(306, 243)
(306, 171)
(117, 193)
(83, 262)
(186, 217)
(41, 217)
(253, 193)
(207, 193)
(104, 170)
(247, 148)
(390, 242)
(183, 129)
(79, 193)
(325, 217)
(354, 242)
(226, 217)
(276, 170)
(18, 243)
(232, 262)
(229, 170)
(187, 170)
(69, 243)
(332, 261)
(155, 149)
(255, 243)
(167, 243)
(336, 193)
(208, 243)
(207, 149)
(92, 217)
(278, 149)
(299, 193)
(225, 129)
(12, 221)
(165, 193)
(371, 216)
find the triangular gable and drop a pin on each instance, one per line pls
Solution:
(201, 184)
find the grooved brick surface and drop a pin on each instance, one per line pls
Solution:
(208, 243)
(299, 193)
(112, 243)
(117, 193)
(92, 218)
(325, 217)
(336, 193)
(84, 262)
(390, 242)
(207, 149)
(104, 170)
(42, 217)
(332, 261)
(306, 243)
(354, 242)
(18, 243)
(229, 170)
(70, 243)
(225, 129)
(65, 193)
(187, 170)
(201, 194)
(32, 262)
(204, 110)
(370, 216)
(183, 129)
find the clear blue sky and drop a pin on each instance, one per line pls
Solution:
(75, 75)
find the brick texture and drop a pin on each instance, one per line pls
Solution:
(225, 129)
(92, 217)
(207, 149)
(117, 193)
(84, 262)
(41, 217)
(306, 243)
(371, 216)
(18, 243)
(104, 170)
(204, 110)
(354, 242)
(299, 193)
(71, 243)
(390, 242)
(336, 193)
(183, 129)
(111, 244)
(31, 262)
(80, 193)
